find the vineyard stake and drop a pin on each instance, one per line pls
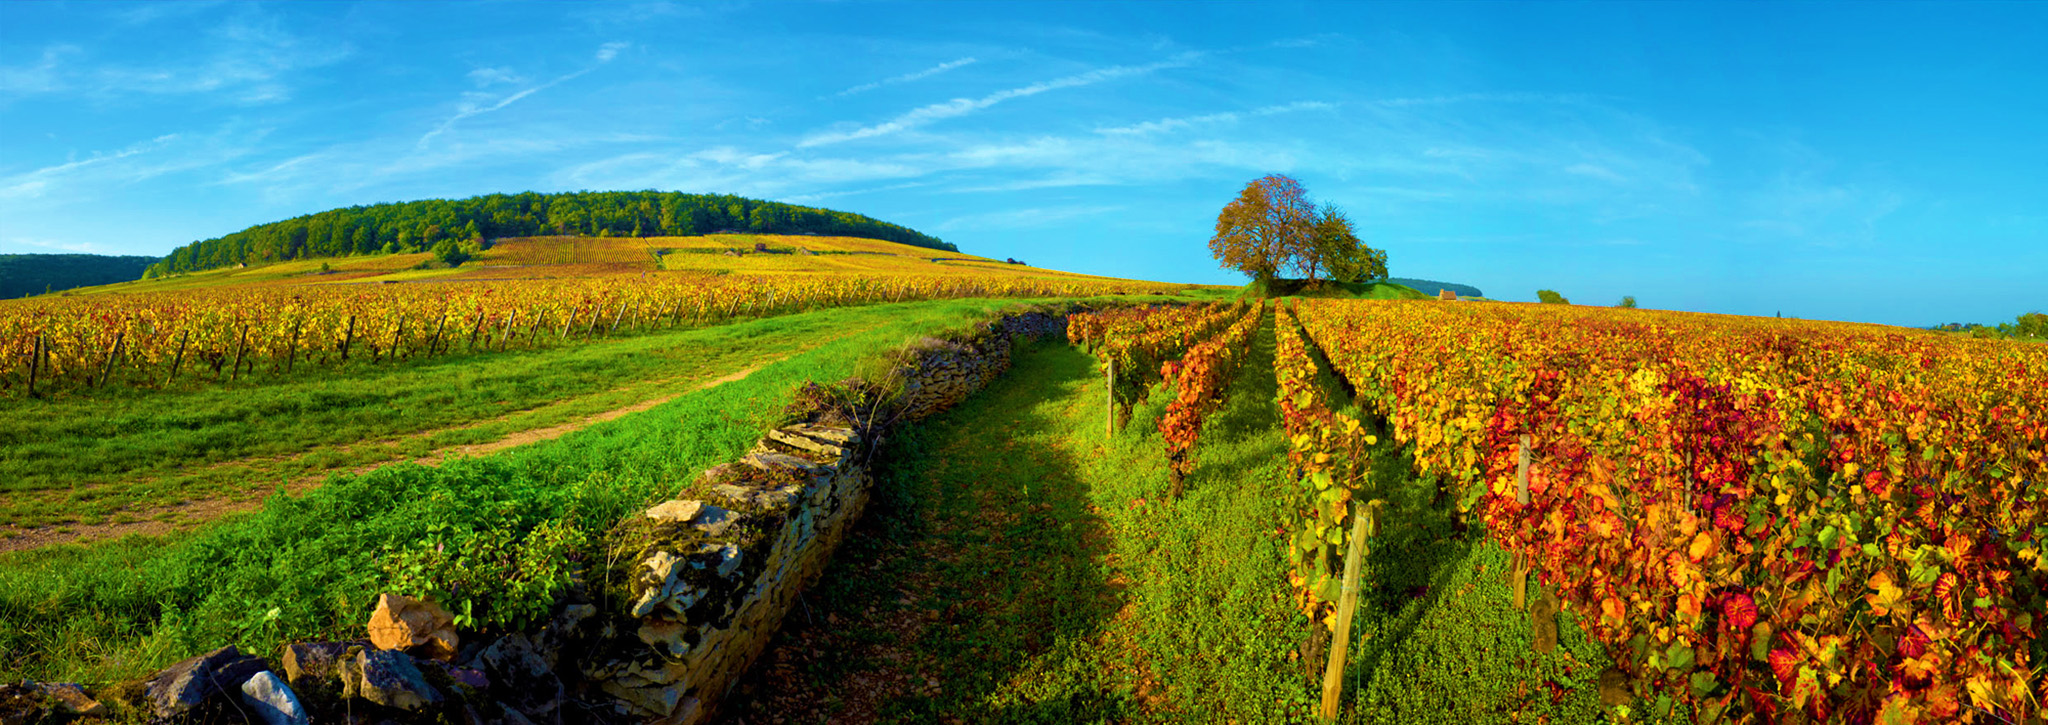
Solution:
(1109, 398)
(348, 338)
(533, 330)
(107, 365)
(1347, 604)
(1521, 575)
(506, 334)
(434, 343)
(591, 329)
(614, 329)
(398, 337)
(474, 329)
(35, 364)
(179, 359)
(241, 347)
(567, 323)
(292, 355)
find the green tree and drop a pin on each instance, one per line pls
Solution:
(1628, 302)
(1551, 297)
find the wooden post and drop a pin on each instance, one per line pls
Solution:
(505, 335)
(434, 343)
(1109, 396)
(107, 364)
(1521, 573)
(179, 359)
(398, 337)
(616, 316)
(35, 364)
(348, 338)
(292, 355)
(476, 328)
(241, 347)
(1362, 528)
(569, 322)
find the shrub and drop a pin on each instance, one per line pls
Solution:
(1551, 297)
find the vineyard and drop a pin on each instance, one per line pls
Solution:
(221, 333)
(1757, 518)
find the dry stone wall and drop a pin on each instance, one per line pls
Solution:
(721, 571)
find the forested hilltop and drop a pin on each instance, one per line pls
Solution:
(416, 226)
(31, 274)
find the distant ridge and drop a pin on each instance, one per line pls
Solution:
(1431, 288)
(432, 224)
(22, 275)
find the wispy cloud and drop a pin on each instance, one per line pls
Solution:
(1174, 124)
(963, 106)
(1018, 218)
(32, 184)
(907, 77)
(471, 109)
(487, 77)
(247, 59)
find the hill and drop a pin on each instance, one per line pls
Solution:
(696, 258)
(443, 225)
(22, 275)
(1431, 288)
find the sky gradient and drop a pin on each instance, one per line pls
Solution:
(1869, 162)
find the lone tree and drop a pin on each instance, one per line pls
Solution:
(1272, 227)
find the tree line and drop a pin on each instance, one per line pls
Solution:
(451, 227)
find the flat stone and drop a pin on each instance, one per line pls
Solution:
(71, 698)
(273, 700)
(781, 461)
(389, 678)
(183, 686)
(800, 441)
(675, 511)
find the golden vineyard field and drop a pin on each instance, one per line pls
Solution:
(228, 323)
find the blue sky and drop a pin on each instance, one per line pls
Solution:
(1819, 160)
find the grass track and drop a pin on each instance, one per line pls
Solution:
(1018, 568)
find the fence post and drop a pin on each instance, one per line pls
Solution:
(348, 338)
(179, 359)
(107, 365)
(1362, 528)
(1521, 579)
(35, 364)
(1109, 398)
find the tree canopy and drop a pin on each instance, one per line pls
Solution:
(1272, 227)
(426, 225)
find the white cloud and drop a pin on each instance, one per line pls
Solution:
(1598, 172)
(473, 106)
(1174, 124)
(1018, 218)
(963, 106)
(33, 184)
(486, 77)
(907, 77)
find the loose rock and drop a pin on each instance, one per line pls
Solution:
(273, 701)
(184, 686)
(388, 678)
(419, 626)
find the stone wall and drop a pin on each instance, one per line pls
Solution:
(722, 568)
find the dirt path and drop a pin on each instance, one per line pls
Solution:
(189, 514)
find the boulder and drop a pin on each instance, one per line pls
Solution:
(388, 678)
(273, 700)
(521, 678)
(711, 520)
(418, 626)
(314, 664)
(184, 686)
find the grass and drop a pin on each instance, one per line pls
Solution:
(1018, 567)
(308, 567)
(89, 456)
